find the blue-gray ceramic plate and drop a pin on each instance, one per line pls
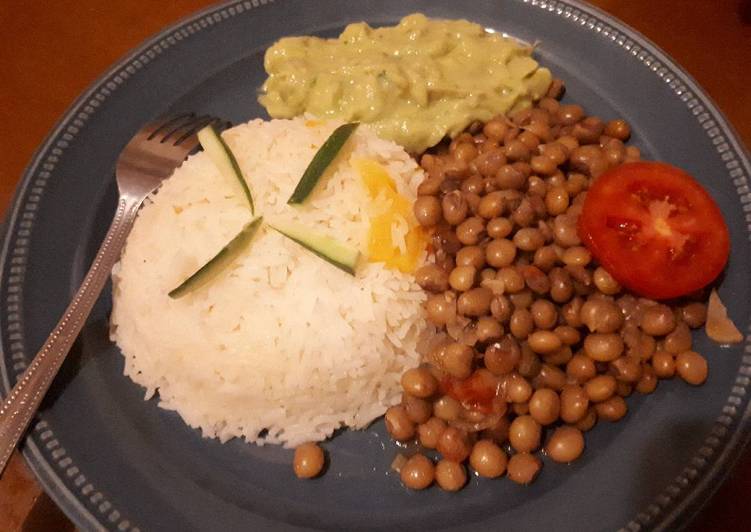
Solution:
(113, 461)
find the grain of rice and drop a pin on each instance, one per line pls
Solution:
(281, 341)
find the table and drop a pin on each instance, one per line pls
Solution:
(52, 51)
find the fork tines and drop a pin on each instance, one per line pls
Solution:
(176, 130)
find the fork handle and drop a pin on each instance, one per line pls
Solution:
(21, 404)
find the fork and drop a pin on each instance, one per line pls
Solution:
(148, 159)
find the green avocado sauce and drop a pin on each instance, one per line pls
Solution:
(414, 83)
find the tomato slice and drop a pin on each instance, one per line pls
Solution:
(654, 229)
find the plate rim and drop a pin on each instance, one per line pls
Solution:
(679, 501)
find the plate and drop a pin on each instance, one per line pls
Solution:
(113, 461)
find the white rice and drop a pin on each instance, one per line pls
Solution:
(281, 342)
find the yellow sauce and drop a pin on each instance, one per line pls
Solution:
(414, 83)
(395, 238)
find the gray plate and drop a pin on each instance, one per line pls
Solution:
(114, 461)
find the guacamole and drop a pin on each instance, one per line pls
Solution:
(415, 82)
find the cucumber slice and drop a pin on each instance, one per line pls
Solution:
(222, 157)
(332, 251)
(321, 161)
(209, 271)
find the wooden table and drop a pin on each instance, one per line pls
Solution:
(53, 50)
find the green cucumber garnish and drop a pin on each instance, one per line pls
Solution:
(206, 273)
(331, 250)
(222, 157)
(321, 161)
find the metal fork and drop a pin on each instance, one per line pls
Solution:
(150, 157)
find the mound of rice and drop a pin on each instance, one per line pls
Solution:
(281, 342)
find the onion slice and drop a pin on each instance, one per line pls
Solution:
(720, 327)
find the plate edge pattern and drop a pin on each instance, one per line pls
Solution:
(713, 127)
(76, 120)
(94, 501)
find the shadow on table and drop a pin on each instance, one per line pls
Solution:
(46, 516)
